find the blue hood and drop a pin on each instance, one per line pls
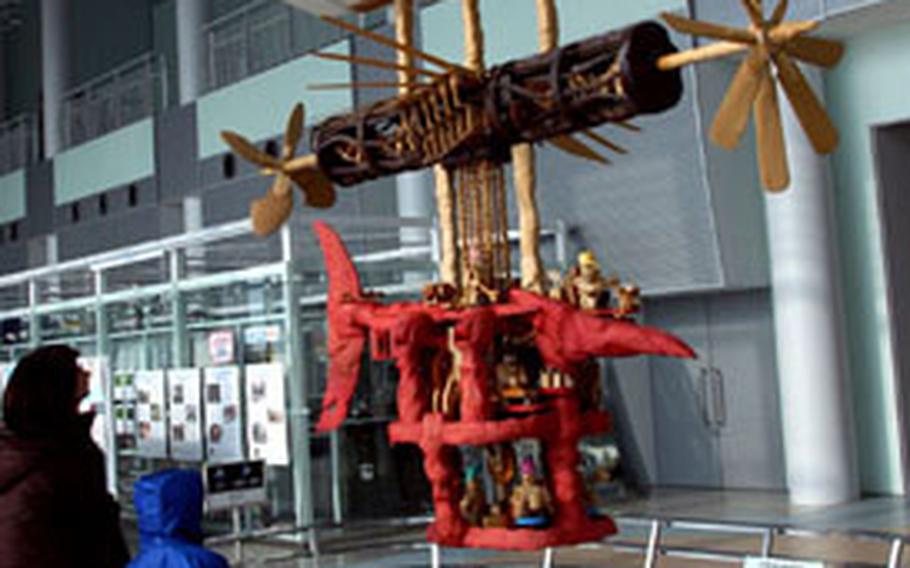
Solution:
(169, 504)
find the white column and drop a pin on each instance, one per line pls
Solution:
(191, 53)
(808, 320)
(55, 69)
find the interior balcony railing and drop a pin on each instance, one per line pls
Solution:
(264, 34)
(128, 93)
(18, 143)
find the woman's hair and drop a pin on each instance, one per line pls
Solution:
(40, 398)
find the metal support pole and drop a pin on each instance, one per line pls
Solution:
(767, 543)
(653, 550)
(102, 352)
(238, 529)
(179, 340)
(435, 556)
(335, 457)
(547, 558)
(298, 383)
(34, 333)
(896, 554)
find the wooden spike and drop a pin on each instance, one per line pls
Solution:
(380, 63)
(293, 132)
(812, 116)
(248, 151)
(572, 146)
(707, 29)
(270, 212)
(368, 5)
(817, 51)
(699, 54)
(282, 185)
(389, 42)
(606, 143)
(769, 137)
(733, 114)
(362, 85)
(628, 126)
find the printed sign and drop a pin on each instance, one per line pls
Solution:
(267, 431)
(223, 431)
(151, 423)
(236, 484)
(221, 347)
(185, 403)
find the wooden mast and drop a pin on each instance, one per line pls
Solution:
(523, 163)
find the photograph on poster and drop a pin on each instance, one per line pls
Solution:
(224, 431)
(266, 415)
(185, 394)
(150, 401)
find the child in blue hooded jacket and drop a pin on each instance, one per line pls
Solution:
(169, 505)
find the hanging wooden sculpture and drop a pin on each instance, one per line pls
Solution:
(485, 361)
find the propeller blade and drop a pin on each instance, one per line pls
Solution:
(707, 29)
(787, 31)
(282, 185)
(733, 115)
(769, 137)
(317, 189)
(270, 212)
(809, 110)
(779, 12)
(754, 12)
(699, 54)
(572, 146)
(293, 132)
(817, 51)
(246, 150)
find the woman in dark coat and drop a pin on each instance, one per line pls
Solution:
(55, 510)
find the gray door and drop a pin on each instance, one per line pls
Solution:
(716, 420)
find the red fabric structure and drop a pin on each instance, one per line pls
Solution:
(415, 335)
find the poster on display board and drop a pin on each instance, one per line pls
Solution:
(151, 425)
(223, 429)
(267, 432)
(221, 347)
(94, 402)
(185, 403)
(125, 410)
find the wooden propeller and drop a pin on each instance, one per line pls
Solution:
(772, 44)
(271, 210)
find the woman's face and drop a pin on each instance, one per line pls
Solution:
(82, 383)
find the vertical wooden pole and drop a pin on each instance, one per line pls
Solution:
(404, 34)
(523, 163)
(473, 35)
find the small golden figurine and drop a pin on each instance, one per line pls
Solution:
(586, 287)
(531, 503)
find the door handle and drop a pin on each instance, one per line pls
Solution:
(718, 398)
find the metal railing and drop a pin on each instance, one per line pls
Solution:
(265, 34)
(121, 96)
(18, 142)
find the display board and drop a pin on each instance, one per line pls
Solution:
(235, 485)
(125, 409)
(223, 428)
(267, 433)
(151, 423)
(185, 412)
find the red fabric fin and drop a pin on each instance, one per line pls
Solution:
(344, 282)
(346, 339)
(567, 336)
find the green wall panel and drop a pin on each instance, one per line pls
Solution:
(867, 89)
(115, 159)
(12, 196)
(258, 106)
(511, 25)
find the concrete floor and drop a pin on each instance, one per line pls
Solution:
(854, 535)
